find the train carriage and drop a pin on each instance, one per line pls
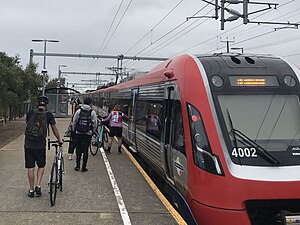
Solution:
(223, 130)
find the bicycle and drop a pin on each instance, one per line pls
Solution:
(99, 139)
(57, 170)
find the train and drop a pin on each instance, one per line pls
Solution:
(222, 129)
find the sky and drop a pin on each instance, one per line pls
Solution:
(152, 28)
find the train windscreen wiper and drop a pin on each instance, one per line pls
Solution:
(248, 141)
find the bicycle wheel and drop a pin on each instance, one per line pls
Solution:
(53, 184)
(61, 170)
(94, 145)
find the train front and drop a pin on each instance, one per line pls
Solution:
(255, 153)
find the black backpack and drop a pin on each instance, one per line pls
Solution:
(36, 128)
(84, 122)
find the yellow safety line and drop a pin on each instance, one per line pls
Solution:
(169, 207)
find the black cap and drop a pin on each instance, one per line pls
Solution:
(42, 100)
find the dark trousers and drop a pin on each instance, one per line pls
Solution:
(82, 142)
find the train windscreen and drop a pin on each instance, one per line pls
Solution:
(262, 129)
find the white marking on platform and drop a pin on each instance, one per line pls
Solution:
(121, 204)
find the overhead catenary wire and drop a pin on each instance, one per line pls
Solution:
(227, 31)
(172, 30)
(156, 25)
(107, 33)
(111, 36)
(171, 40)
(151, 30)
(158, 48)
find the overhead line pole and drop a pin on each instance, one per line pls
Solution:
(120, 57)
(83, 73)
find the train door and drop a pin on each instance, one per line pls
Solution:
(174, 154)
(168, 123)
(168, 127)
(131, 122)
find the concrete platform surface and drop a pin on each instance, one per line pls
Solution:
(87, 198)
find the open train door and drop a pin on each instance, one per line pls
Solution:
(174, 153)
(131, 122)
(167, 153)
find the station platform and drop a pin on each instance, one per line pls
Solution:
(100, 196)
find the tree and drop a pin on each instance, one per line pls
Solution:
(16, 84)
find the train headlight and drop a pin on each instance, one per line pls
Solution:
(289, 81)
(203, 155)
(217, 81)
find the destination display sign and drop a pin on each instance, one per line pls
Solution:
(253, 81)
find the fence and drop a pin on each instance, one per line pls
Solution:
(13, 112)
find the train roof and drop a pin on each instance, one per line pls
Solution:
(155, 76)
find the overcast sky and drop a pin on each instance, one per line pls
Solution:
(154, 28)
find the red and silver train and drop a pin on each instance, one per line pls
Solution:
(223, 130)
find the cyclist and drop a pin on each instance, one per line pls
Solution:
(116, 128)
(38, 121)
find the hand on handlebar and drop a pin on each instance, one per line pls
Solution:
(60, 142)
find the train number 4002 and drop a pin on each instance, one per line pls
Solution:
(244, 152)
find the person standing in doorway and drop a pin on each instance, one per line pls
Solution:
(84, 124)
(38, 121)
(116, 127)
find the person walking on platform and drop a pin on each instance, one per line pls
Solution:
(38, 121)
(71, 134)
(84, 124)
(116, 128)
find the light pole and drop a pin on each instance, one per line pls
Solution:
(44, 71)
(59, 74)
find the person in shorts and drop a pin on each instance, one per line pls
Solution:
(116, 128)
(35, 150)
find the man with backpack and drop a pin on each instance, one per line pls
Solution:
(84, 124)
(38, 121)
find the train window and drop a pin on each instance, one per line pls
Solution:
(202, 153)
(149, 117)
(126, 109)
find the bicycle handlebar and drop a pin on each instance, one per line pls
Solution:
(55, 143)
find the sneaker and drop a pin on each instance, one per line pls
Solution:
(77, 168)
(30, 194)
(70, 157)
(84, 170)
(38, 191)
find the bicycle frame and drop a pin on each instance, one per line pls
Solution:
(98, 139)
(55, 178)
